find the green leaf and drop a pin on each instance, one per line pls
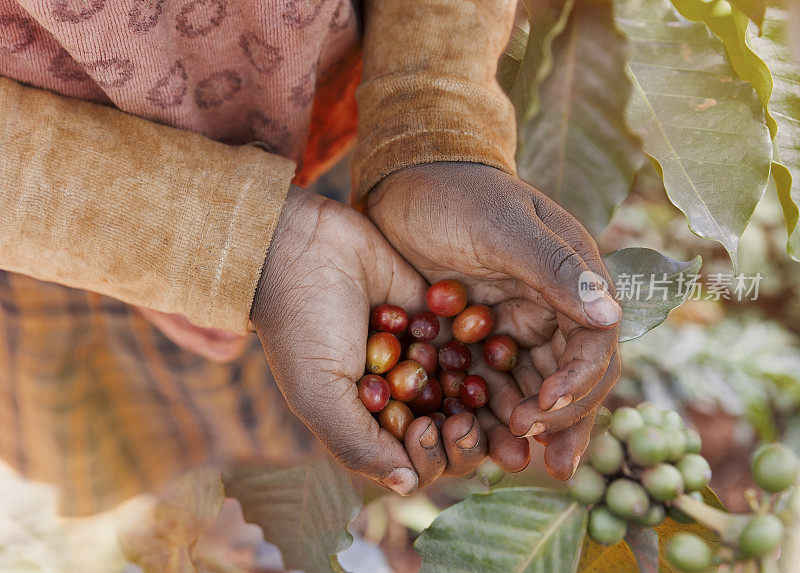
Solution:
(546, 22)
(754, 9)
(649, 285)
(703, 126)
(577, 149)
(524, 529)
(304, 509)
(773, 47)
(511, 59)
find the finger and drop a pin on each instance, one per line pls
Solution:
(464, 442)
(504, 394)
(401, 285)
(564, 449)
(529, 419)
(526, 375)
(511, 453)
(543, 359)
(525, 321)
(424, 446)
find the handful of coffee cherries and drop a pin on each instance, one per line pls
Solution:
(407, 376)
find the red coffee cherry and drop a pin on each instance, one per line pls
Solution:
(373, 390)
(453, 406)
(454, 356)
(446, 298)
(383, 352)
(429, 398)
(500, 352)
(389, 318)
(405, 380)
(451, 383)
(396, 417)
(425, 354)
(424, 326)
(473, 324)
(474, 391)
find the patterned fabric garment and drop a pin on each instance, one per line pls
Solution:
(93, 398)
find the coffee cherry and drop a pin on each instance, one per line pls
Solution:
(695, 471)
(490, 474)
(681, 517)
(424, 326)
(671, 419)
(624, 422)
(454, 356)
(688, 552)
(663, 482)
(474, 392)
(761, 536)
(605, 527)
(383, 352)
(429, 398)
(500, 352)
(396, 417)
(775, 467)
(626, 498)
(587, 486)
(451, 383)
(693, 441)
(453, 406)
(446, 298)
(373, 390)
(606, 454)
(425, 354)
(647, 446)
(651, 414)
(654, 516)
(406, 379)
(389, 318)
(676, 443)
(473, 324)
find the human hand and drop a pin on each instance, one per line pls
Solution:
(520, 253)
(326, 267)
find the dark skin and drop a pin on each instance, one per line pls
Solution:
(520, 253)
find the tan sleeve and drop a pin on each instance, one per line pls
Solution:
(429, 91)
(96, 199)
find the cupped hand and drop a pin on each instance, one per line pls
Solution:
(326, 267)
(520, 253)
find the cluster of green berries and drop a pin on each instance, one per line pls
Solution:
(644, 461)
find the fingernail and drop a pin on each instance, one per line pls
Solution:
(604, 310)
(536, 428)
(401, 480)
(470, 439)
(564, 400)
(575, 461)
(430, 437)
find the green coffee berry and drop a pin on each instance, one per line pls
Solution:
(647, 446)
(693, 442)
(775, 467)
(654, 516)
(624, 422)
(626, 498)
(490, 474)
(663, 482)
(695, 471)
(761, 536)
(651, 414)
(605, 527)
(688, 552)
(671, 419)
(606, 454)
(676, 443)
(587, 485)
(680, 516)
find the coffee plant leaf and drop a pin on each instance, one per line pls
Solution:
(704, 126)
(302, 509)
(511, 59)
(754, 9)
(577, 149)
(773, 46)
(522, 529)
(649, 285)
